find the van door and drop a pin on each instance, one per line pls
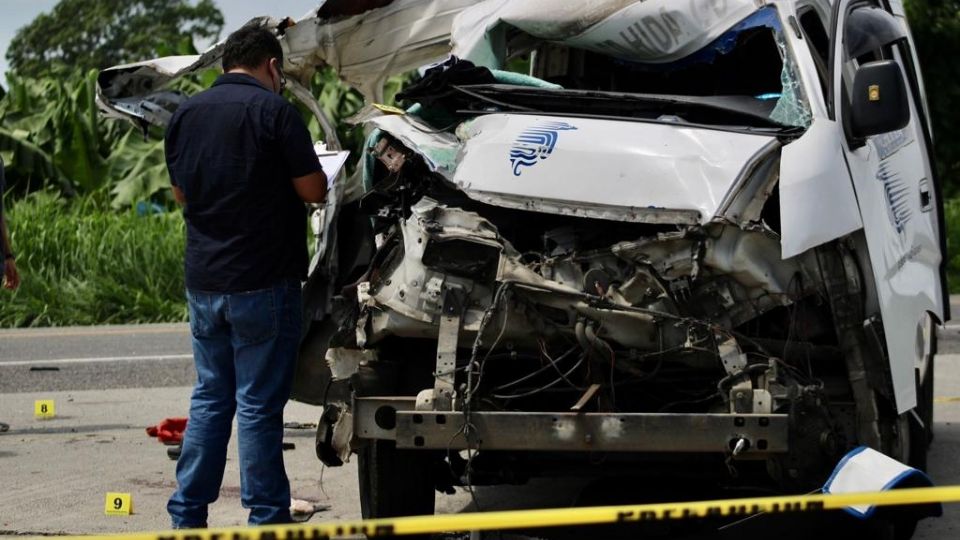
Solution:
(895, 186)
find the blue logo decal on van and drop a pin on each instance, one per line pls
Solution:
(897, 193)
(536, 144)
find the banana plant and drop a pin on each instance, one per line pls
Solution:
(51, 134)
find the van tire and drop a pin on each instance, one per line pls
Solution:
(904, 529)
(921, 435)
(925, 389)
(395, 482)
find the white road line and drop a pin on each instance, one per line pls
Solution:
(68, 332)
(58, 361)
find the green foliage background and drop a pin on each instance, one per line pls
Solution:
(51, 135)
(84, 264)
(87, 251)
(80, 35)
(935, 25)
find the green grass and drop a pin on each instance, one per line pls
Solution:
(952, 218)
(84, 263)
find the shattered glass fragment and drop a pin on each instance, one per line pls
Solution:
(791, 109)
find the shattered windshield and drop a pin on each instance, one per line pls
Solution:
(750, 63)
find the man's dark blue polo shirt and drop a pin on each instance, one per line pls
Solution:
(233, 150)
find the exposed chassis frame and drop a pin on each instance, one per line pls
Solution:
(395, 418)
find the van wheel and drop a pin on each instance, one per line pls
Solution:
(921, 432)
(904, 529)
(921, 435)
(395, 482)
(925, 377)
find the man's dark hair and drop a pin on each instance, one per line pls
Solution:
(250, 47)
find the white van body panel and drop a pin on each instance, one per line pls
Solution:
(890, 177)
(813, 177)
(893, 181)
(626, 171)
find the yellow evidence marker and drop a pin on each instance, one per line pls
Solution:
(389, 109)
(44, 409)
(118, 504)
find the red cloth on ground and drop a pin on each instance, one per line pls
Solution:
(169, 431)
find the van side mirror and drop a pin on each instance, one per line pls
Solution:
(880, 103)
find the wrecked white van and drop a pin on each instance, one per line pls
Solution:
(703, 237)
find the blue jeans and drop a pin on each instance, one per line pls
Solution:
(244, 347)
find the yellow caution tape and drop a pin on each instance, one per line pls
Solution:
(528, 519)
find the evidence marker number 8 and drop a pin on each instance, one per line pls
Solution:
(44, 409)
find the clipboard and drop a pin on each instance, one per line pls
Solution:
(332, 163)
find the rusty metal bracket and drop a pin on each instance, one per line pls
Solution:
(732, 357)
(586, 397)
(391, 157)
(449, 335)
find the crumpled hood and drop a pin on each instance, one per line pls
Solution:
(641, 30)
(135, 91)
(364, 48)
(620, 170)
(369, 41)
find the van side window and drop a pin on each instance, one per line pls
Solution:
(815, 32)
(868, 29)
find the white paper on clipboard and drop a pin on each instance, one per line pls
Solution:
(332, 164)
(332, 161)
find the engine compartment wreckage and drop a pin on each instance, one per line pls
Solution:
(653, 244)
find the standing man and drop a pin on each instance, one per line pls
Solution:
(242, 163)
(11, 278)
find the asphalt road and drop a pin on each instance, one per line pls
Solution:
(105, 357)
(110, 382)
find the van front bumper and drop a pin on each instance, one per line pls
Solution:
(395, 419)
